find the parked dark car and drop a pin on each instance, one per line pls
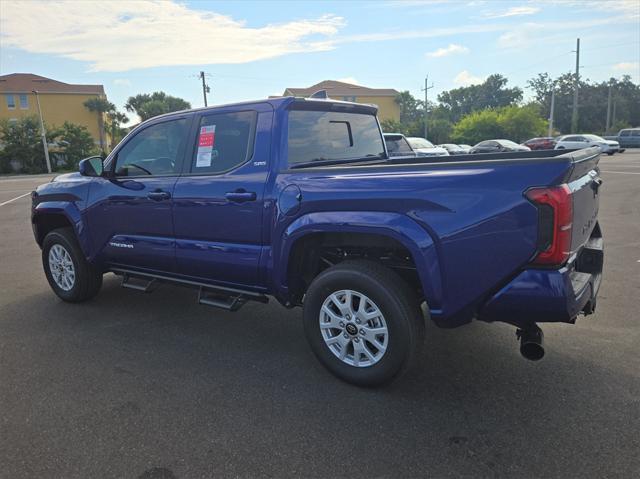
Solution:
(498, 146)
(541, 143)
(454, 149)
(397, 145)
(627, 138)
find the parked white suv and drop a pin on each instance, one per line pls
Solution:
(424, 147)
(574, 142)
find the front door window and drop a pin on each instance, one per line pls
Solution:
(155, 151)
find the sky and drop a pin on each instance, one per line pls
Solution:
(250, 50)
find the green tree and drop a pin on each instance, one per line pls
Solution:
(78, 143)
(22, 143)
(439, 130)
(492, 93)
(116, 119)
(147, 105)
(392, 126)
(517, 123)
(477, 126)
(593, 99)
(411, 109)
(101, 106)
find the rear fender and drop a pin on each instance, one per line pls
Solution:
(394, 225)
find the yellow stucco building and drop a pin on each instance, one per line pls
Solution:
(59, 102)
(385, 98)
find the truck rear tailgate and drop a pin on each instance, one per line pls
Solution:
(584, 182)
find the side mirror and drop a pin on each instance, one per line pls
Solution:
(92, 166)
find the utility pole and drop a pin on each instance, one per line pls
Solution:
(576, 80)
(43, 133)
(608, 123)
(205, 88)
(553, 105)
(613, 115)
(426, 89)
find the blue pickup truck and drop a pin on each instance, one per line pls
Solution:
(298, 200)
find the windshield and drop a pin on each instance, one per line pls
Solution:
(594, 137)
(419, 143)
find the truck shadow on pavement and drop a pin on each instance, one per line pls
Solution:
(223, 384)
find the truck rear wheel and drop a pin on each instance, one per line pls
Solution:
(69, 274)
(363, 322)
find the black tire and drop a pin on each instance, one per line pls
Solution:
(610, 153)
(88, 279)
(396, 301)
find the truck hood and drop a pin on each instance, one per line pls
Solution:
(75, 176)
(61, 183)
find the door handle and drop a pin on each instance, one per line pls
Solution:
(240, 196)
(159, 195)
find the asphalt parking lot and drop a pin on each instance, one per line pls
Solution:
(154, 386)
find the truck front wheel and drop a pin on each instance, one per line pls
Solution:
(363, 322)
(70, 275)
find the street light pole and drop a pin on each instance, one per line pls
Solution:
(43, 133)
(426, 103)
(553, 105)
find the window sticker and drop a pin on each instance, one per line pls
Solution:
(205, 146)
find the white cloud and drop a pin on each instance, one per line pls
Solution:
(464, 78)
(513, 12)
(122, 82)
(450, 50)
(120, 36)
(351, 80)
(627, 67)
(515, 38)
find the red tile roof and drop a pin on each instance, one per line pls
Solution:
(27, 82)
(337, 88)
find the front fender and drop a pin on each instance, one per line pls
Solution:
(394, 225)
(66, 209)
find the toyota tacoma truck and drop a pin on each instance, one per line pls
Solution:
(298, 200)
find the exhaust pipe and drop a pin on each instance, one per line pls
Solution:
(531, 342)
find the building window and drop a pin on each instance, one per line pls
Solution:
(11, 102)
(349, 98)
(24, 102)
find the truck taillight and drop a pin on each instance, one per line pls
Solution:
(555, 215)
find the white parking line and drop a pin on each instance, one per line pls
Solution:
(13, 199)
(609, 171)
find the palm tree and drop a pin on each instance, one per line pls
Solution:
(115, 120)
(101, 106)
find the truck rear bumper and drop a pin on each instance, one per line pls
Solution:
(540, 295)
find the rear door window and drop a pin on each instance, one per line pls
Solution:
(330, 135)
(224, 142)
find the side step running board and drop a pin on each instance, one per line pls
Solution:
(215, 299)
(140, 284)
(230, 299)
